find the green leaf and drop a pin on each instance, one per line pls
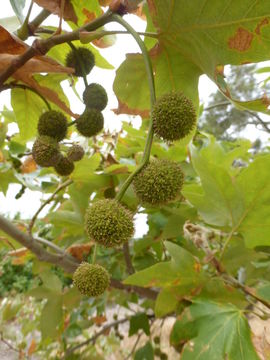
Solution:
(145, 353)
(217, 332)
(183, 272)
(51, 281)
(70, 221)
(264, 291)
(27, 107)
(6, 178)
(51, 317)
(254, 223)
(166, 302)
(18, 6)
(137, 322)
(10, 23)
(208, 35)
(85, 168)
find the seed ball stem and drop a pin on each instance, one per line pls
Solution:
(95, 97)
(91, 279)
(159, 182)
(54, 124)
(46, 151)
(174, 116)
(108, 223)
(90, 123)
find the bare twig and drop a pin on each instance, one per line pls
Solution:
(134, 346)
(60, 187)
(10, 346)
(94, 338)
(127, 256)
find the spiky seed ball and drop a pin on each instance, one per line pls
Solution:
(174, 116)
(95, 97)
(54, 124)
(159, 182)
(90, 123)
(78, 57)
(75, 153)
(46, 151)
(64, 167)
(91, 279)
(108, 223)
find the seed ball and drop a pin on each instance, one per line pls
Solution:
(75, 153)
(46, 151)
(91, 279)
(53, 123)
(159, 182)
(64, 167)
(80, 57)
(95, 97)
(108, 223)
(90, 123)
(174, 116)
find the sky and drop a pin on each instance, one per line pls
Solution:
(115, 55)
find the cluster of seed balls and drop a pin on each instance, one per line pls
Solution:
(53, 125)
(109, 223)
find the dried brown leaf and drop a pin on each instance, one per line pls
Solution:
(54, 6)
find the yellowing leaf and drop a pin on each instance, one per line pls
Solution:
(28, 166)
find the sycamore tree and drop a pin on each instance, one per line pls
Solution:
(204, 261)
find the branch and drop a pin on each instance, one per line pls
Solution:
(263, 123)
(43, 255)
(60, 187)
(127, 257)
(33, 25)
(144, 292)
(41, 47)
(94, 338)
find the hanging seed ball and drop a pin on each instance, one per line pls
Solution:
(80, 56)
(90, 123)
(95, 97)
(159, 182)
(174, 116)
(91, 279)
(75, 153)
(108, 223)
(64, 167)
(46, 151)
(53, 123)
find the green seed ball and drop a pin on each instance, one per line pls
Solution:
(64, 167)
(91, 279)
(75, 153)
(95, 97)
(109, 223)
(46, 151)
(159, 182)
(90, 123)
(80, 56)
(53, 123)
(174, 116)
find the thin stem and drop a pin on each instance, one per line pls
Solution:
(221, 104)
(94, 254)
(80, 62)
(100, 33)
(72, 123)
(24, 33)
(127, 256)
(151, 84)
(60, 187)
(25, 87)
(49, 244)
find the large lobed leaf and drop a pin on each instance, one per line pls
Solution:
(217, 332)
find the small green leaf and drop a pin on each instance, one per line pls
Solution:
(137, 322)
(51, 317)
(166, 302)
(84, 169)
(145, 353)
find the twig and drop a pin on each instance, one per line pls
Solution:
(50, 244)
(97, 335)
(60, 187)
(8, 344)
(144, 292)
(34, 24)
(134, 346)
(221, 104)
(263, 123)
(127, 257)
